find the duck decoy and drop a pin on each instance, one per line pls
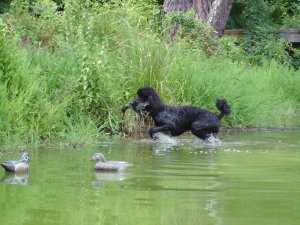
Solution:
(102, 164)
(17, 165)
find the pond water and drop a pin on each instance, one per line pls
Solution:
(246, 178)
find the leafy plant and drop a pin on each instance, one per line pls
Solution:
(198, 35)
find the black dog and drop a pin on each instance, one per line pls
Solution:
(175, 120)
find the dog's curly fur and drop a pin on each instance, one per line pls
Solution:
(175, 120)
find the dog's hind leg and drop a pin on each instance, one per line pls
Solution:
(204, 130)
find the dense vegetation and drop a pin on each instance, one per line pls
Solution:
(65, 74)
(275, 13)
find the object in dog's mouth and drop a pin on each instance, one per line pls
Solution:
(139, 107)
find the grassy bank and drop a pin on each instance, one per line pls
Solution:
(65, 75)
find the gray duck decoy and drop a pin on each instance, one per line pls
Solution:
(102, 164)
(17, 165)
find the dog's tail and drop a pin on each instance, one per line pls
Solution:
(224, 108)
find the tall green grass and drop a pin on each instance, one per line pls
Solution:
(65, 75)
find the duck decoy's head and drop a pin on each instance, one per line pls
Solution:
(25, 157)
(99, 157)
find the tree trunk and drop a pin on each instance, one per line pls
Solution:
(213, 12)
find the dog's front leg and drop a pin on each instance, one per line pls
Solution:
(165, 129)
(151, 132)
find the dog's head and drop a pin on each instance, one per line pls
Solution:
(147, 101)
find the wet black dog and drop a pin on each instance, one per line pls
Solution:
(175, 120)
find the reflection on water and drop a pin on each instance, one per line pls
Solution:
(242, 178)
(102, 176)
(15, 178)
(164, 143)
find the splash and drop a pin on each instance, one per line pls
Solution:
(163, 138)
(160, 139)
(212, 141)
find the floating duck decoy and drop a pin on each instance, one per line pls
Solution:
(102, 164)
(17, 166)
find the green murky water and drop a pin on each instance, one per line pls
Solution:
(249, 178)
